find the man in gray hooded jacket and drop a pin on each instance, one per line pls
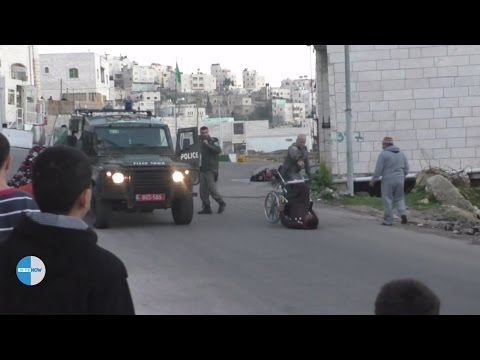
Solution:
(392, 166)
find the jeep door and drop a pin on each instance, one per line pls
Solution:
(187, 148)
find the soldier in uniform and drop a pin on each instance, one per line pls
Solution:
(210, 150)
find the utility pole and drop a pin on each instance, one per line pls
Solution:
(319, 106)
(61, 88)
(348, 117)
(175, 107)
(197, 110)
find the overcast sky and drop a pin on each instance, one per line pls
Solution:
(275, 62)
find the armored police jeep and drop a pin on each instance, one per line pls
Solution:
(135, 166)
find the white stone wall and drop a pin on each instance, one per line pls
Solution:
(89, 74)
(427, 97)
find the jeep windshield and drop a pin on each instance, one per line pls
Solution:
(132, 139)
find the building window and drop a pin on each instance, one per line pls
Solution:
(73, 73)
(148, 97)
(102, 75)
(238, 129)
(93, 96)
(19, 72)
(11, 97)
(47, 70)
(98, 74)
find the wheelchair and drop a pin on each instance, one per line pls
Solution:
(278, 197)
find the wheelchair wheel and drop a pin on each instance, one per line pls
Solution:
(272, 203)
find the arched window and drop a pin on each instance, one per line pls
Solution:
(47, 70)
(73, 73)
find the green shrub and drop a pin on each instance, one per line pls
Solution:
(322, 179)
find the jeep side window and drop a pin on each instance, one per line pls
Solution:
(186, 139)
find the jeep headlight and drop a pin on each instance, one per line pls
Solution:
(118, 178)
(177, 176)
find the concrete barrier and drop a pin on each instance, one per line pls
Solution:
(19, 138)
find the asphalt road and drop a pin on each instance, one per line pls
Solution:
(237, 263)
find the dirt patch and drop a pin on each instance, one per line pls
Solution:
(431, 222)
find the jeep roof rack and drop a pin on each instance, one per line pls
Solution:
(91, 111)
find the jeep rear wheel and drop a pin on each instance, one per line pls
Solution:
(182, 209)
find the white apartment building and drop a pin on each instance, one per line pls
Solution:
(75, 76)
(116, 65)
(288, 113)
(281, 93)
(303, 83)
(140, 78)
(252, 81)
(222, 75)
(198, 82)
(145, 100)
(19, 85)
(306, 97)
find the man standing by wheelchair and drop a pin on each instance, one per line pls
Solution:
(297, 213)
(296, 160)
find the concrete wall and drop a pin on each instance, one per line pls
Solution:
(427, 97)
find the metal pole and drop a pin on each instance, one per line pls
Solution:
(175, 107)
(319, 107)
(348, 113)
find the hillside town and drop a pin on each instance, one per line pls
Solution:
(250, 115)
(424, 96)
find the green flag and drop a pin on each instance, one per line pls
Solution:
(178, 74)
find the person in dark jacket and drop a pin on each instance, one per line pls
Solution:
(297, 213)
(392, 166)
(296, 160)
(209, 172)
(80, 277)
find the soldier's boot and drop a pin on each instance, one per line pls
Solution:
(221, 207)
(206, 210)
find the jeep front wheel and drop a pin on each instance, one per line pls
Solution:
(182, 209)
(100, 211)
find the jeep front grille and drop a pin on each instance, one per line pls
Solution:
(151, 181)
